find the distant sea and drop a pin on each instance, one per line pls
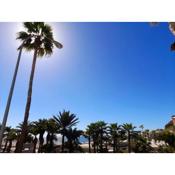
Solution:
(82, 140)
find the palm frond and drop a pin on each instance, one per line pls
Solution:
(22, 35)
(29, 26)
(57, 44)
(38, 35)
(173, 47)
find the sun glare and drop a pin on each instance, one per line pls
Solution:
(44, 63)
(17, 27)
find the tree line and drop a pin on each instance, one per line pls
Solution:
(101, 137)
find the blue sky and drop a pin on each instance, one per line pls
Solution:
(117, 72)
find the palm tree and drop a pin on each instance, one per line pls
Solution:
(19, 132)
(20, 125)
(141, 127)
(64, 121)
(102, 131)
(87, 134)
(98, 132)
(42, 43)
(114, 130)
(93, 133)
(2, 129)
(171, 26)
(6, 133)
(52, 129)
(129, 128)
(10, 137)
(34, 131)
(73, 136)
(41, 126)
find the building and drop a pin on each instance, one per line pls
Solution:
(171, 124)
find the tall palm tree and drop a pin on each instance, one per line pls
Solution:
(129, 128)
(171, 26)
(2, 129)
(42, 43)
(64, 121)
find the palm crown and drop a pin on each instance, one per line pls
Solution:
(38, 35)
(128, 127)
(66, 119)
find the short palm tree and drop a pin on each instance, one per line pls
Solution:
(114, 131)
(52, 129)
(73, 136)
(101, 127)
(40, 126)
(20, 125)
(141, 127)
(129, 128)
(88, 134)
(11, 137)
(65, 120)
(19, 132)
(42, 43)
(34, 131)
(92, 131)
(6, 133)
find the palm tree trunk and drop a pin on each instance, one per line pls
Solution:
(48, 138)
(27, 109)
(41, 142)
(9, 146)
(129, 142)
(114, 145)
(51, 142)
(106, 146)
(89, 141)
(101, 141)
(62, 146)
(117, 145)
(10, 98)
(70, 146)
(94, 146)
(34, 144)
(5, 147)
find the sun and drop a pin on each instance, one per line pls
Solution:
(15, 29)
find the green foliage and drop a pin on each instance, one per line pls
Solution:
(73, 136)
(101, 136)
(141, 145)
(65, 120)
(165, 149)
(167, 136)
